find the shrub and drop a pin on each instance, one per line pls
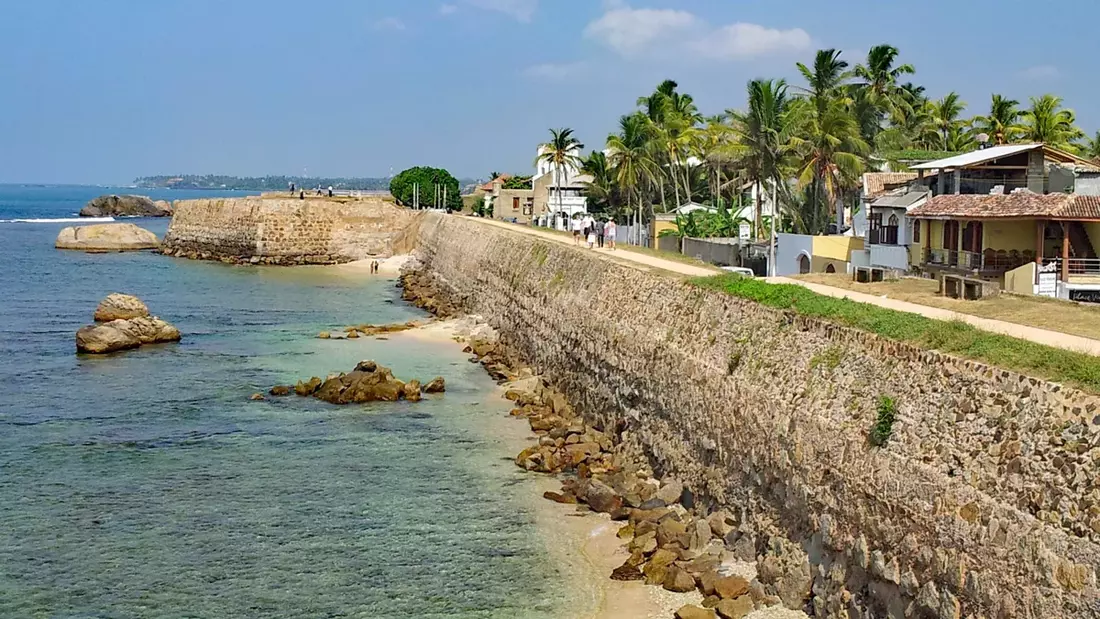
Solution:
(884, 421)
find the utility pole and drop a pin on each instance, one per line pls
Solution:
(771, 245)
(444, 197)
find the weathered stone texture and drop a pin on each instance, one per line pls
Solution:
(987, 488)
(289, 231)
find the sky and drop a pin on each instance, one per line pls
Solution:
(102, 92)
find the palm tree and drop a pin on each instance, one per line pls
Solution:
(879, 86)
(1047, 122)
(764, 137)
(946, 115)
(601, 190)
(561, 154)
(632, 164)
(1090, 149)
(1002, 125)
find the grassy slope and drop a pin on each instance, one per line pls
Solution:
(957, 338)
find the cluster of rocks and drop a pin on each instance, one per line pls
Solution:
(367, 330)
(420, 287)
(102, 238)
(368, 382)
(670, 545)
(122, 322)
(177, 251)
(126, 206)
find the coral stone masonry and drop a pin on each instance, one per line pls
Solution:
(983, 501)
(289, 231)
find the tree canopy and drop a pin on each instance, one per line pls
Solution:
(403, 188)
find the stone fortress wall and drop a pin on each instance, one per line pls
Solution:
(290, 231)
(984, 503)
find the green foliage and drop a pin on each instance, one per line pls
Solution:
(540, 253)
(953, 337)
(402, 187)
(829, 359)
(517, 182)
(886, 414)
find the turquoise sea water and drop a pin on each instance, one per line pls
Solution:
(146, 484)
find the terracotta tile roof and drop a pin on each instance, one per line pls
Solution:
(489, 186)
(1020, 204)
(878, 183)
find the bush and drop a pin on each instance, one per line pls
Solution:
(884, 421)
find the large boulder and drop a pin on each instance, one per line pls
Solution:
(125, 206)
(123, 322)
(106, 237)
(117, 306)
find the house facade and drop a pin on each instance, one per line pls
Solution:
(554, 205)
(1007, 213)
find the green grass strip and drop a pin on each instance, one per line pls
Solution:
(952, 337)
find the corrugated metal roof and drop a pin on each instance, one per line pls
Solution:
(904, 200)
(875, 183)
(976, 157)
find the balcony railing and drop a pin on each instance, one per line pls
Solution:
(989, 261)
(1079, 266)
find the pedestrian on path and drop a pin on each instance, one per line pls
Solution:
(609, 233)
(578, 224)
(599, 233)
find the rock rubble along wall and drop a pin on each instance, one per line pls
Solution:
(289, 231)
(984, 502)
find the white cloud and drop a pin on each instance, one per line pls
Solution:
(552, 71)
(737, 41)
(663, 32)
(633, 31)
(388, 23)
(522, 10)
(1041, 72)
(448, 9)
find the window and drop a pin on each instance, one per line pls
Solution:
(515, 203)
(916, 230)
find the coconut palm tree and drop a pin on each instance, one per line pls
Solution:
(946, 115)
(601, 190)
(1002, 124)
(1047, 122)
(631, 158)
(1090, 148)
(763, 133)
(878, 87)
(561, 153)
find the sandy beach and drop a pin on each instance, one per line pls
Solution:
(386, 266)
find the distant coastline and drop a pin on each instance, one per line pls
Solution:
(259, 183)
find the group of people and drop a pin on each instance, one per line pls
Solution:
(302, 192)
(593, 232)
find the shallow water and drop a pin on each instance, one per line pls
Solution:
(146, 484)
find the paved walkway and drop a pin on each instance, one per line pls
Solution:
(1040, 336)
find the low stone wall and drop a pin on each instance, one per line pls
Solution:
(984, 502)
(289, 231)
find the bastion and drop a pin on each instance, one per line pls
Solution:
(289, 231)
(985, 502)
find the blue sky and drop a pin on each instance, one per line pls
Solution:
(104, 91)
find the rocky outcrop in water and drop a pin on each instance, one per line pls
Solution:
(106, 238)
(123, 322)
(126, 206)
(368, 382)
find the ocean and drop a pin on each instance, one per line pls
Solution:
(147, 484)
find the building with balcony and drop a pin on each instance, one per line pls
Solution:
(558, 197)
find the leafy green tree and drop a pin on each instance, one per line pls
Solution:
(1002, 124)
(561, 153)
(878, 89)
(634, 168)
(403, 188)
(517, 182)
(1091, 147)
(601, 192)
(947, 116)
(1047, 122)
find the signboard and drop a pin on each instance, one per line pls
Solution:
(1048, 280)
(745, 232)
(1085, 296)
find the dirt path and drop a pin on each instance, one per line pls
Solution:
(1040, 336)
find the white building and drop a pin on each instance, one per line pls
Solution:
(558, 204)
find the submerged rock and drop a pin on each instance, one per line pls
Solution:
(106, 238)
(125, 206)
(436, 385)
(123, 322)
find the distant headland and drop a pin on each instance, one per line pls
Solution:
(261, 183)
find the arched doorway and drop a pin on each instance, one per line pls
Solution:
(830, 268)
(803, 264)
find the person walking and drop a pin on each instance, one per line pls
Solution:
(609, 233)
(599, 233)
(330, 191)
(577, 225)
